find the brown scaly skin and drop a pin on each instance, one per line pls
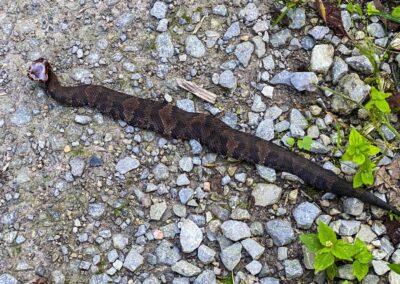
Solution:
(210, 131)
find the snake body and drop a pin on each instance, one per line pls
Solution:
(174, 122)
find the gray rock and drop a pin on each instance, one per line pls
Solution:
(269, 174)
(281, 38)
(227, 79)
(269, 63)
(394, 278)
(297, 118)
(205, 254)
(162, 25)
(182, 180)
(230, 256)
(308, 42)
(376, 30)
(185, 194)
(349, 227)
(304, 81)
(297, 17)
(184, 268)
(220, 10)
(350, 85)
(190, 237)
(164, 45)
(80, 74)
(305, 214)
(243, 52)
(127, 164)
(345, 272)
(254, 267)
(157, 210)
(318, 148)
(269, 280)
(353, 206)
(259, 46)
(159, 10)
(232, 31)
(318, 32)
(56, 276)
(258, 104)
(282, 126)
(322, 58)
(265, 129)
(96, 210)
(253, 248)
(128, 66)
(167, 253)
(21, 116)
(206, 277)
(380, 267)
(133, 260)
(77, 166)
(240, 214)
(261, 26)
(194, 47)
(280, 231)
(195, 146)
(266, 194)
(339, 69)
(308, 258)
(293, 268)
(8, 279)
(82, 119)
(249, 13)
(186, 164)
(161, 172)
(273, 112)
(229, 65)
(282, 78)
(120, 241)
(100, 279)
(186, 104)
(360, 63)
(235, 230)
(230, 118)
(387, 247)
(125, 20)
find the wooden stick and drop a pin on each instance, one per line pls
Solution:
(197, 90)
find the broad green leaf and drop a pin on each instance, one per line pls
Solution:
(359, 158)
(367, 178)
(290, 141)
(373, 150)
(331, 271)
(371, 10)
(395, 267)
(357, 180)
(326, 235)
(305, 143)
(364, 257)
(355, 138)
(383, 106)
(323, 260)
(343, 250)
(396, 12)
(311, 241)
(360, 269)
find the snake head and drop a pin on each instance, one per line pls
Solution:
(39, 70)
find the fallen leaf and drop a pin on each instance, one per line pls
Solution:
(394, 102)
(332, 17)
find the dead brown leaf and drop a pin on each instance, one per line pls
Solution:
(332, 17)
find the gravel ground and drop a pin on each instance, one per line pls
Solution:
(85, 199)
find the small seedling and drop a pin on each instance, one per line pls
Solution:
(329, 251)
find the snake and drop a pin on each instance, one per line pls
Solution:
(173, 122)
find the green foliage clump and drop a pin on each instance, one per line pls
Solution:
(329, 251)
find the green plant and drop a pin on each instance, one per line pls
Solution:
(290, 141)
(395, 267)
(289, 4)
(354, 8)
(329, 251)
(358, 150)
(305, 143)
(394, 16)
(378, 100)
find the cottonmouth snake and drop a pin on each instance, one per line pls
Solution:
(210, 131)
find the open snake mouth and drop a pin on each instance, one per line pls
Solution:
(39, 70)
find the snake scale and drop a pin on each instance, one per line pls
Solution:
(173, 122)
